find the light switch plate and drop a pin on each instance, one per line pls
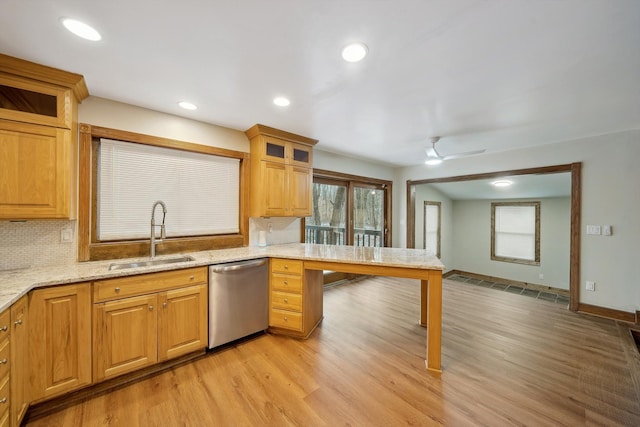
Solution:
(590, 286)
(593, 229)
(606, 230)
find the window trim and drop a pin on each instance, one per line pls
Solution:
(90, 249)
(494, 257)
(424, 231)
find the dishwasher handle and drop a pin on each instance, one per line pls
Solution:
(222, 268)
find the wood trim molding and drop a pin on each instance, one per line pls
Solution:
(609, 313)
(576, 203)
(259, 129)
(574, 247)
(23, 68)
(89, 249)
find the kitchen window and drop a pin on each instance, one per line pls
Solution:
(122, 174)
(432, 227)
(515, 232)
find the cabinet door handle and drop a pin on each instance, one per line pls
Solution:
(164, 304)
(18, 322)
(117, 290)
(286, 301)
(4, 328)
(4, 361)
(3, 400)
(150, 308)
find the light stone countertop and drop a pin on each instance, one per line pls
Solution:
(16, 283)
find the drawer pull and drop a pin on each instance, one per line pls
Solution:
(192, 277)
(18, 322)
(286, 267)
(286, 301)
(286, 318)
(117, 290)
(4, 328)
(3, 400)
(285, 282)
(4, 361)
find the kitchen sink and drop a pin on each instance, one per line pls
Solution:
(151, 262)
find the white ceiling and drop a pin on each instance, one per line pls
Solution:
(524, 187)
(482, 74)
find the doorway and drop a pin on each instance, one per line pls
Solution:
(574, 171)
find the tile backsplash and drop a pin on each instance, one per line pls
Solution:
(276, 230)
(36, 244)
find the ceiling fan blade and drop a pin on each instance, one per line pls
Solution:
(431, 152)
(466, 153)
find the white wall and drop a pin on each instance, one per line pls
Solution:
(610, 195)
(350, 165)
(472, 243)
(116, 115)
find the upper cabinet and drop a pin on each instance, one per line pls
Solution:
(281, 172)
(38, 140)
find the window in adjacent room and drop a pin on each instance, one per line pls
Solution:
(432, 227)
(515, 232)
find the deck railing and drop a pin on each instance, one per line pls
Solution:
(328, 235)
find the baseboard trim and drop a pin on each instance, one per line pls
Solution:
(526, 285)
(609, 313)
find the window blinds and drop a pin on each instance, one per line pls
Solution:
(515, 232)
(201, 191)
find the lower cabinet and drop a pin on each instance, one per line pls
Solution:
(19, 360)
(59, 340)
(141, 330)
(295, 298)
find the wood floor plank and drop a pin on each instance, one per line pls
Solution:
(507, 360)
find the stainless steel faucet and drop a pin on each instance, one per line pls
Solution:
(153, 226)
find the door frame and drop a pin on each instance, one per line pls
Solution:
(576, 203)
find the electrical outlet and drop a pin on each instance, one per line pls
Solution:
(270, 227)
(590, 286)
(606, 230)
(66, 235)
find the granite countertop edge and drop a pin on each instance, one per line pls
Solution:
(16, 283)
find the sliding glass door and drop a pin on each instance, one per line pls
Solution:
(349, 212)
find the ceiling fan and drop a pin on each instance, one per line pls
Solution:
(435, 158)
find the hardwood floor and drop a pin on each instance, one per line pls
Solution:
(507, 360)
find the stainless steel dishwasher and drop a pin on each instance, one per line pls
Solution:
(238, 300)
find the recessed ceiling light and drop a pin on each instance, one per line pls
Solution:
(187, 105)
(502, 183)
(354, 52)
(281, 101)
(81, 29)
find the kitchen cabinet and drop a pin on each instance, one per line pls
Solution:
(295, 298)
(38, 140)
(145, 319)
(59, 340)
(281, 172)
(5, 368)
(19, 360)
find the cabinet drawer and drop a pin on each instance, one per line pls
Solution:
(285, 319)
(282, 282)
(110, 289)
(5, 356)
(287, 266)
(5, 319)
(5, 395)
(286, 301)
